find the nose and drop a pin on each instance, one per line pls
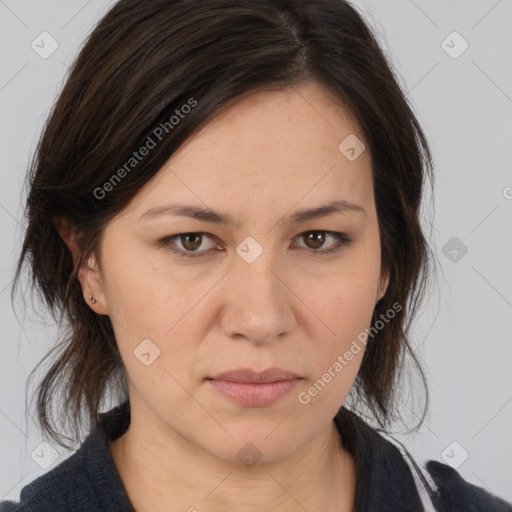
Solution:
(259, 304)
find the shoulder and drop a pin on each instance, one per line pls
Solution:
(58, 488)
(86, 481)
(453, 493)
(390, 478)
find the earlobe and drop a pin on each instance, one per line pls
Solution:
(90, 279)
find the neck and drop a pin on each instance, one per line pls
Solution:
(162, 471)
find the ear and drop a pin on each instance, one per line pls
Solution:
(383, 285)
(89, 274)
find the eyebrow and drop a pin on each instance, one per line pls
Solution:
(339, 206)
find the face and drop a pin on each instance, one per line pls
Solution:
(193, 297)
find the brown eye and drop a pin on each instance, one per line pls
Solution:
(315, 238)
(191, 241)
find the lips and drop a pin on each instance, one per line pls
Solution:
(254, 377)
(250, 388)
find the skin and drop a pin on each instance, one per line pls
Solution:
(265, 157)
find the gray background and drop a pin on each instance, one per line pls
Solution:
(464, 333)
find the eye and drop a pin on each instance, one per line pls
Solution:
(191, 242)
(317, 238)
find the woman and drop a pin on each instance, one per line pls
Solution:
(224, 206)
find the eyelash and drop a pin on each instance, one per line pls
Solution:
(167, 242)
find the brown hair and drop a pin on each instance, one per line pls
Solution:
(143, 61)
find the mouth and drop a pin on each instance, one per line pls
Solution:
(252, 388)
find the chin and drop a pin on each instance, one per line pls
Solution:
(254, 443)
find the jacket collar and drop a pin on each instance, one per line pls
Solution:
(384, 481)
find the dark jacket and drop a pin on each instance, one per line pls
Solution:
(387, 481)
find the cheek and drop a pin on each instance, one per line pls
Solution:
(345, 304)
(153, 322)
(336, 356)
(340, 328)
(143, 299)
(350, 322)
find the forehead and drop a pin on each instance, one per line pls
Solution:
(260, 124)
(265, 149)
